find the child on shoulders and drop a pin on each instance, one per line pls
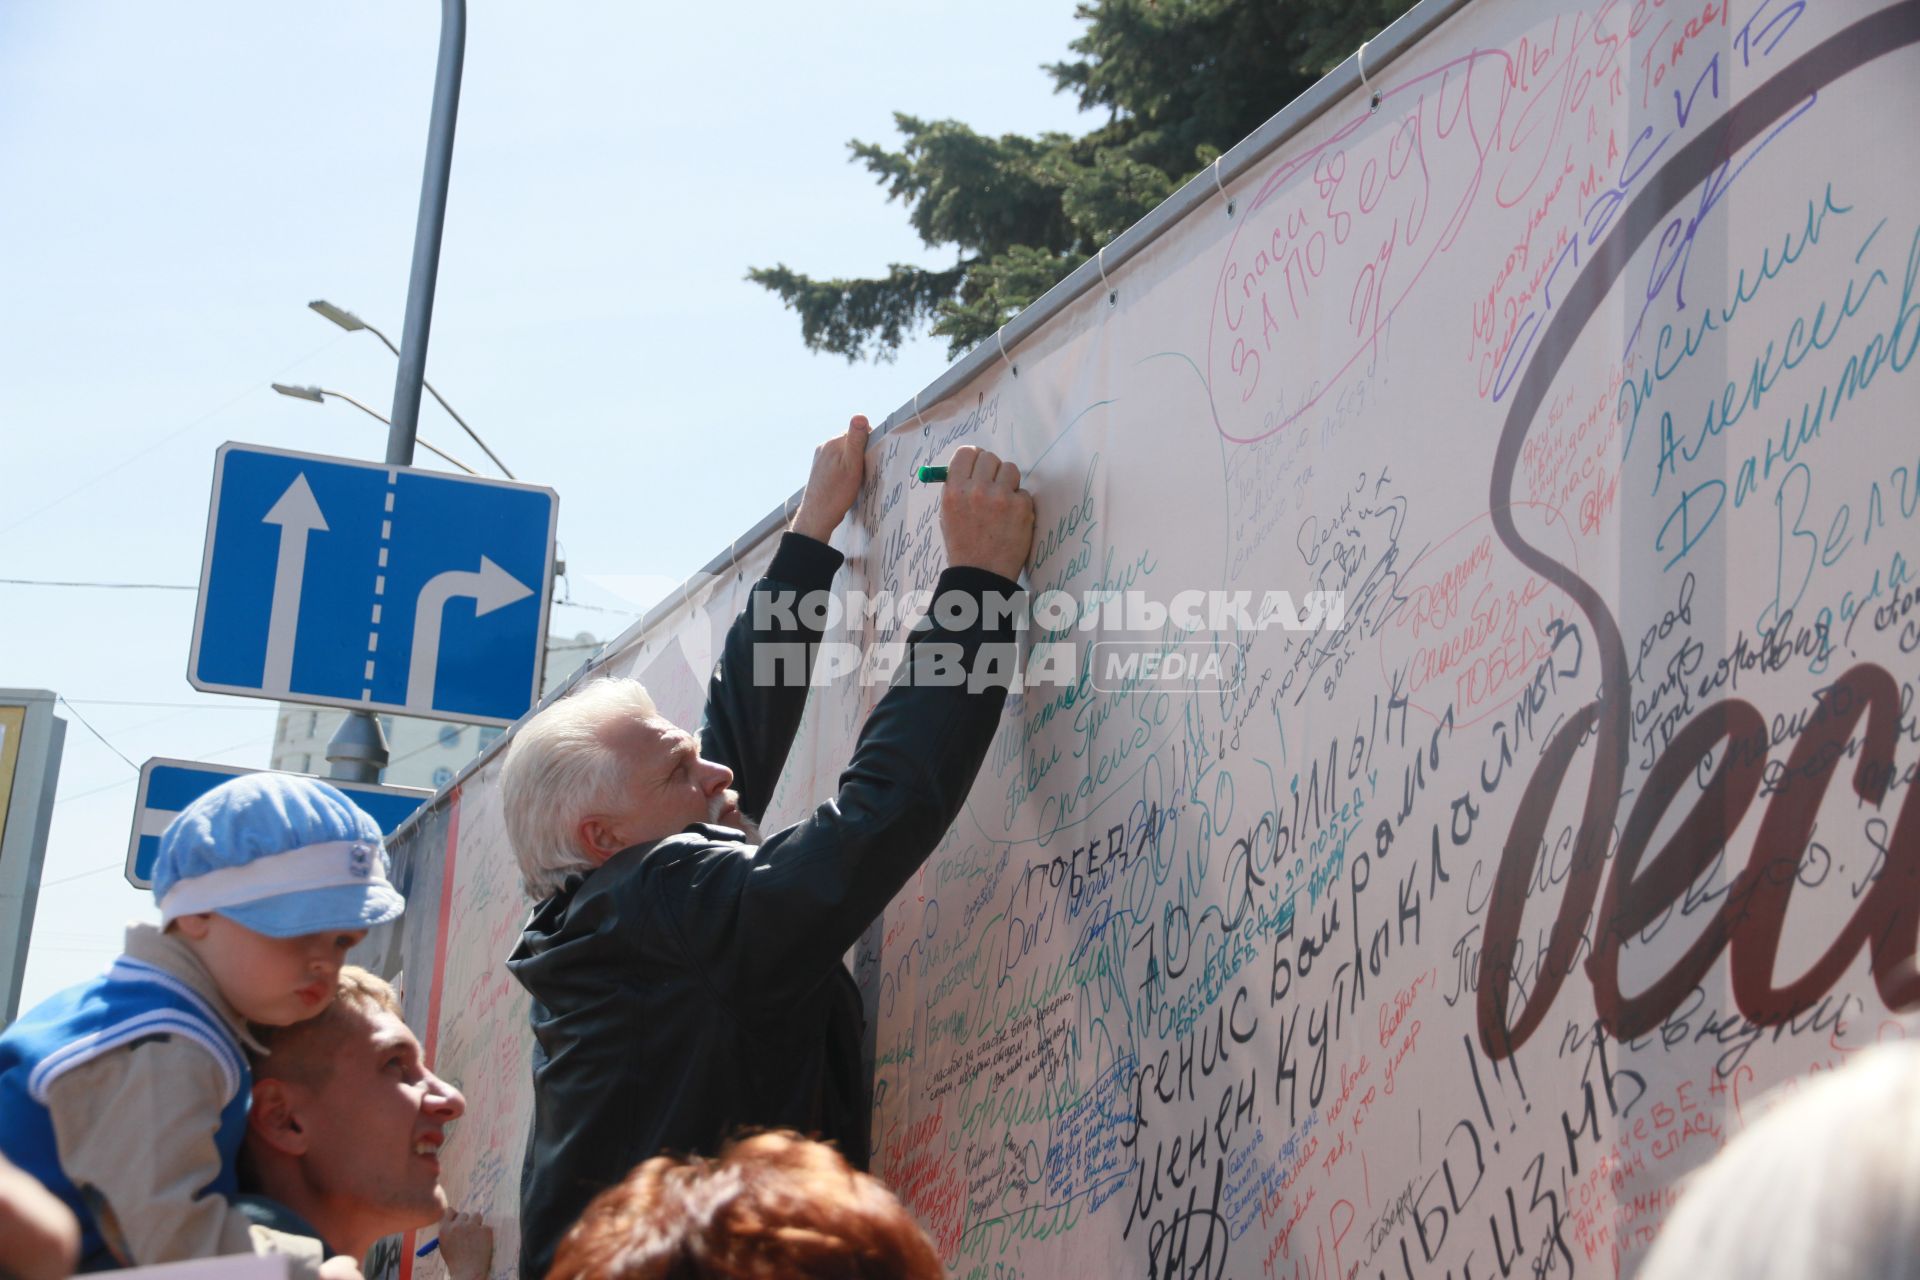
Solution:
(127, 1095)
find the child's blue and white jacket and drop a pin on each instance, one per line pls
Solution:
(127, 1097)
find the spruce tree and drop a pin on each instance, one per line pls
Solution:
(1178, 81)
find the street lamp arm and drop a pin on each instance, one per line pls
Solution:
(435, 449)
(371, 413)
(347, 320)
(469, 430)
(383, 337)
(430, 448)
(316, 394)
(444, 405)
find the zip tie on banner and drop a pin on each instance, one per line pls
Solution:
(1373, 96)
(917, 419)
(1100, 260)
(1220, 186)
(1000, 337)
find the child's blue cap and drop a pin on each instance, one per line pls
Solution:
(281, 854)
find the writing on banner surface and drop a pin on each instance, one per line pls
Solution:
(1465, 744)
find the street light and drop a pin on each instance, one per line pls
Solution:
(318, 396)
(353, 323)
(344, 318)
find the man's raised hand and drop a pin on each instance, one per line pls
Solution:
(839, 466)
(986, 518)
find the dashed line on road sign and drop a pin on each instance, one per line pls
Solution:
(386, 536)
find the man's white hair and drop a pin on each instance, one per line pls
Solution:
(1826, 1183)
(558, 772)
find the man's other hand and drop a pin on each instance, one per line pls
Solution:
(466, 1244)
(340, 1268)
(839, 466)
(985, 516)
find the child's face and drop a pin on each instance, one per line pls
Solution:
(272, 981)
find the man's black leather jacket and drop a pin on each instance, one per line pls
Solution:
(692, 986)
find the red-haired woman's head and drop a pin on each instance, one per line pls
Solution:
(772, 1205)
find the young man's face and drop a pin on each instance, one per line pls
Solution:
(273, 981)
(375, 1121)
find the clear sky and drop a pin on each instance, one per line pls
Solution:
(181, 179)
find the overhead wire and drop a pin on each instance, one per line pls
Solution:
(597, 608)
(96, 733)
(82, 875)
(94, 791)
(108, 586)
(251, 389)
(190, 706)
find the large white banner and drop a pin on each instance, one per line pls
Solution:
(1436, 918)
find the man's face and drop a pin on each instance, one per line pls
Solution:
(376, 1123)
(669, 787)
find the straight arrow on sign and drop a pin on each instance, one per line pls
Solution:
(490, 588)
(298, 514)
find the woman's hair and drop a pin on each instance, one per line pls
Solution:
(772, 1205)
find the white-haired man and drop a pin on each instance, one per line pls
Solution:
(686, 975)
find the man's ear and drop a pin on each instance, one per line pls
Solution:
(599, 840)
(274, 1119)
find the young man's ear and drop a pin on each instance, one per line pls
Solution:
(273, 1120)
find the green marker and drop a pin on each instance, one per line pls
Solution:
(932, 475)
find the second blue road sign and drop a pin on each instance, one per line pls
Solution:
(168, 786)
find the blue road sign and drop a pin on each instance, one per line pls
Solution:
(168, 786)
(356, 584)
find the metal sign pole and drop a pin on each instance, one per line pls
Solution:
(31, 738)
(358, 750)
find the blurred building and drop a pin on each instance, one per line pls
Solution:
(423, 753)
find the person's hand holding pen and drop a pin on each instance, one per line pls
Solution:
(986, 518)
(466, 1246)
